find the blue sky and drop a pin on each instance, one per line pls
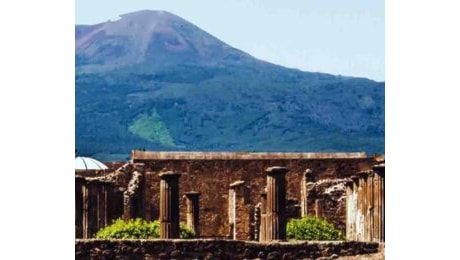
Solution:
(332, 36)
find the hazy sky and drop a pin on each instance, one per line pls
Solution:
(333, 36)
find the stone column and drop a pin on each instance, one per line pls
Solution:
(263, 217)
(356, 191)
(349, 210)
(306, 186)
(92, 208)
(366, 186)
(85, 217)
(276, 203)
(169, 204)
(354, 225)
(103, 204)
(379, 197)
(79, 182)
(193, 211)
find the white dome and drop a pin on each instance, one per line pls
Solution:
(86, 163)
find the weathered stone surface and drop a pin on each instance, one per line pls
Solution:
(169, 204)
(131, 193)
(240, 212)
(217, 249)
(365, 214)
(276, 203)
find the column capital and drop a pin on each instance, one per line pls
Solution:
(169, 175)
(364, 174)
(349, 183)
(308, 174)
(276, 170)
(236, 184)
(355, 179)
(192, 194)
(380, 169)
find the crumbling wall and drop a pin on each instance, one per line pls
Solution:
(327, 200)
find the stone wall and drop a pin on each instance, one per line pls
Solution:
(217, 249)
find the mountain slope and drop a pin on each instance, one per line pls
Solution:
(153, 80)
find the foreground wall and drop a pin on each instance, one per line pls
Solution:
(217, 249)
(211, 174)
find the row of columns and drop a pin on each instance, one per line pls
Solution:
(96, 204)
(365, 223)
(272, 209)
(365, 215)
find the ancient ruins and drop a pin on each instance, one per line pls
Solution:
(237, 196)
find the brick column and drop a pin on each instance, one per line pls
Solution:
(239, 217)
(257, 222)
(169, 204)
(193, 211)
(276, 203)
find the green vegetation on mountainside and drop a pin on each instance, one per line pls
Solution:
(235, 109)
(151, 128)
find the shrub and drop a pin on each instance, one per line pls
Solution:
(312, 228)
(137, 229)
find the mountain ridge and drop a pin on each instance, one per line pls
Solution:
(173, 86)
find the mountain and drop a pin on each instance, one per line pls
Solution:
(153, 80)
